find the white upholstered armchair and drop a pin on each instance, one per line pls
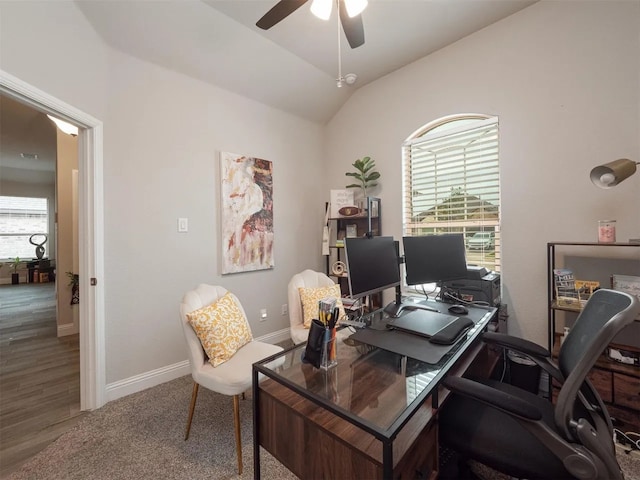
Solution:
(234, 376)
(308, 279)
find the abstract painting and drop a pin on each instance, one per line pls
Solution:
(247, 213)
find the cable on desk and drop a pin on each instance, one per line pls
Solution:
(448, 295)
(424, 292)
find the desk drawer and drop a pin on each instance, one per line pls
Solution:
(601, 380)
(421, 461)
(603, 383)
(627, 390)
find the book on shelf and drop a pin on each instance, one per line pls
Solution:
(565, 287)
(351, 303)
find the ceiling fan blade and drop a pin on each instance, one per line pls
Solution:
(352, 26)
(280, 11)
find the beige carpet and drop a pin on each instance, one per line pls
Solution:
(142, 437)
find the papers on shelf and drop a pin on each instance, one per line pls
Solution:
(339, 199)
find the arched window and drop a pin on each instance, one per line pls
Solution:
(451, 184)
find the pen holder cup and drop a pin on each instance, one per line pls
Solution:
(329, 349)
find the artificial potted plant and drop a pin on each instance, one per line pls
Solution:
(15, 276)
(365, 173)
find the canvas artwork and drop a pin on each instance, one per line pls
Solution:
(247, 213)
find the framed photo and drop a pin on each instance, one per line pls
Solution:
(626, 283)
(352, 230)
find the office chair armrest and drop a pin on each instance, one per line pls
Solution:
(493, 398)
(515, 343)
(532, 350)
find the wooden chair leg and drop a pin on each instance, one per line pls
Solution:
(192, 407)
(236, 419)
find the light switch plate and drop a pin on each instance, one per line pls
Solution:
(183, 225)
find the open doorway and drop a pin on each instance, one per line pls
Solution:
(39, 340)
(90, 223)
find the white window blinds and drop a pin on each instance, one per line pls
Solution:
(452, 185)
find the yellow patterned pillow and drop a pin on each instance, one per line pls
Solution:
(311, 296)
(221, 327)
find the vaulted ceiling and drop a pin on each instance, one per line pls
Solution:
(294, 65)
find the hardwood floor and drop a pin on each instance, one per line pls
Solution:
(39, 374)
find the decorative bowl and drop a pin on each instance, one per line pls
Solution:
(349, 211)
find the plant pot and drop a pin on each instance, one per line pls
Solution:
(15, 278)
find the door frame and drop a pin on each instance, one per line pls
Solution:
(90, 233)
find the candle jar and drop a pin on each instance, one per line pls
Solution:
(606, 231)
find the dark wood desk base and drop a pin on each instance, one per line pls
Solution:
(314, 443)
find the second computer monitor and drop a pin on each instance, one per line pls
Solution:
(434, 258)
(372, 264)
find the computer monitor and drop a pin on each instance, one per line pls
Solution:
(434, 258)
(372, 264)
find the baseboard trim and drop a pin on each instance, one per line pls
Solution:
(140, 382)
(275, 337)
(137, 383)
(67, 329)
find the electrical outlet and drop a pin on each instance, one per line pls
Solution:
(285, 309)
(263, 314)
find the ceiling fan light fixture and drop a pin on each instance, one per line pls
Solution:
(350, 78)
(322, 9)
(355, 7)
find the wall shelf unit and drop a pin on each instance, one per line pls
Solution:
(606, 255)
(618, 384)
(367, 222)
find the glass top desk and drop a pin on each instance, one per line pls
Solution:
(366, 417)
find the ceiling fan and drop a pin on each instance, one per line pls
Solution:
(349, 11)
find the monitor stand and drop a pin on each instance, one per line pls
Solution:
(394, 309)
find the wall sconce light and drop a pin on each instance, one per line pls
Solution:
(612, 173)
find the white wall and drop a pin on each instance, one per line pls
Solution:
(162, 132)
(67, 253)
(51, 45)
(564, 79)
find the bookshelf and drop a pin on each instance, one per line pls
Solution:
(368, 221)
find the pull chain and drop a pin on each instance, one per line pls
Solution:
(340, 79)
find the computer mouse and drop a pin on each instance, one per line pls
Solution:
(459, 309)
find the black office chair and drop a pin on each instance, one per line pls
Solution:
(526, 436)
